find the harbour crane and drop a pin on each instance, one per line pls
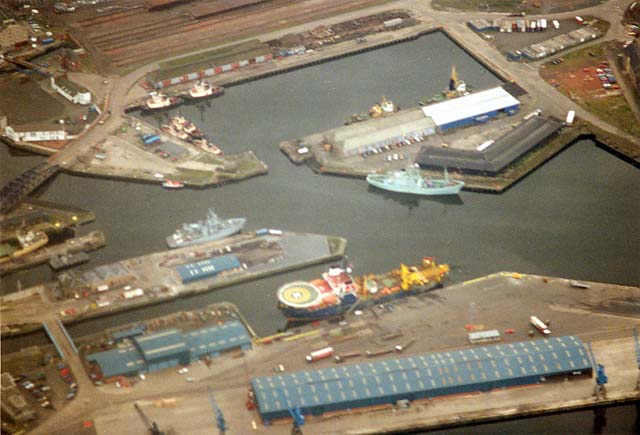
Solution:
(295, 413)
(600, 392)
(637, 343)
(220, 421)
(151, 425)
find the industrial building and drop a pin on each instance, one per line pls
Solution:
(207, 268)
(493, 158)
(142, 353)
(374, 133)
(419, 377)
(475, 108)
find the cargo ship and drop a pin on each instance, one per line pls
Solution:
(411, 181)
(158, 101)
(212, 228)
(204, 89)
(337, 292)
(456, 88)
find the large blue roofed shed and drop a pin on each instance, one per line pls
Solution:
(418, 377)
(169, 348)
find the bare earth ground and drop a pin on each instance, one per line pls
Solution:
(578, 79)
(528, 6)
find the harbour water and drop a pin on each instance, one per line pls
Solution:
(575, 217)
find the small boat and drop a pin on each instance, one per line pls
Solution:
(180, 123)
(170, 129)
(204, 89)
(207, 146)
(172, 184)
(158, 101)
(412, 181)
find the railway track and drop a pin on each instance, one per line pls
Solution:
(175, 31)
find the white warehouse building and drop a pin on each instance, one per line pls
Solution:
(475, 108)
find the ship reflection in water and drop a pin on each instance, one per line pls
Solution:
(412, 201)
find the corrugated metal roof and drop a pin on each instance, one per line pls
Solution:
(133, 358)
(130, 332)
(420, 376)
(217, 338)
(210, 267)
(469, 106)
(119, 361)
(160, 345)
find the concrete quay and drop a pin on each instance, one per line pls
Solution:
(601, 314)
(76, 299)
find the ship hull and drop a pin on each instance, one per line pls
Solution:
(194, 96)
(379, 181)
(234, 227)
(302, 315)
(174, 102)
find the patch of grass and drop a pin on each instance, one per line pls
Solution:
(615, 111)
(478, 5)
(209, 159)
(194, 176)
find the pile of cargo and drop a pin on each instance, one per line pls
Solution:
(511, 25)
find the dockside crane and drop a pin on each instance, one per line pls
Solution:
(637, 343)
(295, 413)
(600, 392)
(220, 421)
(151, 425)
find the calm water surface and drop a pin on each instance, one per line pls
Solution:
(575, 217)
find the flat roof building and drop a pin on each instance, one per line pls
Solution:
(373, 133)
(494, 158)
(169, 348)
(419, 377)
(470, 109)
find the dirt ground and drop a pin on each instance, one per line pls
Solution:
(577, 77)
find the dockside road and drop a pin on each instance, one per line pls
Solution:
(438, 321)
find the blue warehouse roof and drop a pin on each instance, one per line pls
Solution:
(207, 268)
(147, 349)
(162, 344)
(128, 333)
(120, 361)
(217, 338)
(420, 376)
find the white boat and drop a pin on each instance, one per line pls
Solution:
(203, 89)
(411, 181)
(158, 101)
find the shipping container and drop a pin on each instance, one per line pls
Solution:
(319, 354)
(556, 24)
(393, 22)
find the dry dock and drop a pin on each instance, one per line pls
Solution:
(438, 321)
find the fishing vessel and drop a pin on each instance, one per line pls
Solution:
(206, 145)
(172, 184)
(411, 180)
(212, 228)
(204, 89)
(158, 101)
(456, 88)
(338, 292)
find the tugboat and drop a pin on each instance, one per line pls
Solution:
(337, 292)
(180, 122)
(457, 88)
(208, 146)
(170, 129)
(411, 181)
(158, 101)
(212, 228)
(204, 89)
(383, 108)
